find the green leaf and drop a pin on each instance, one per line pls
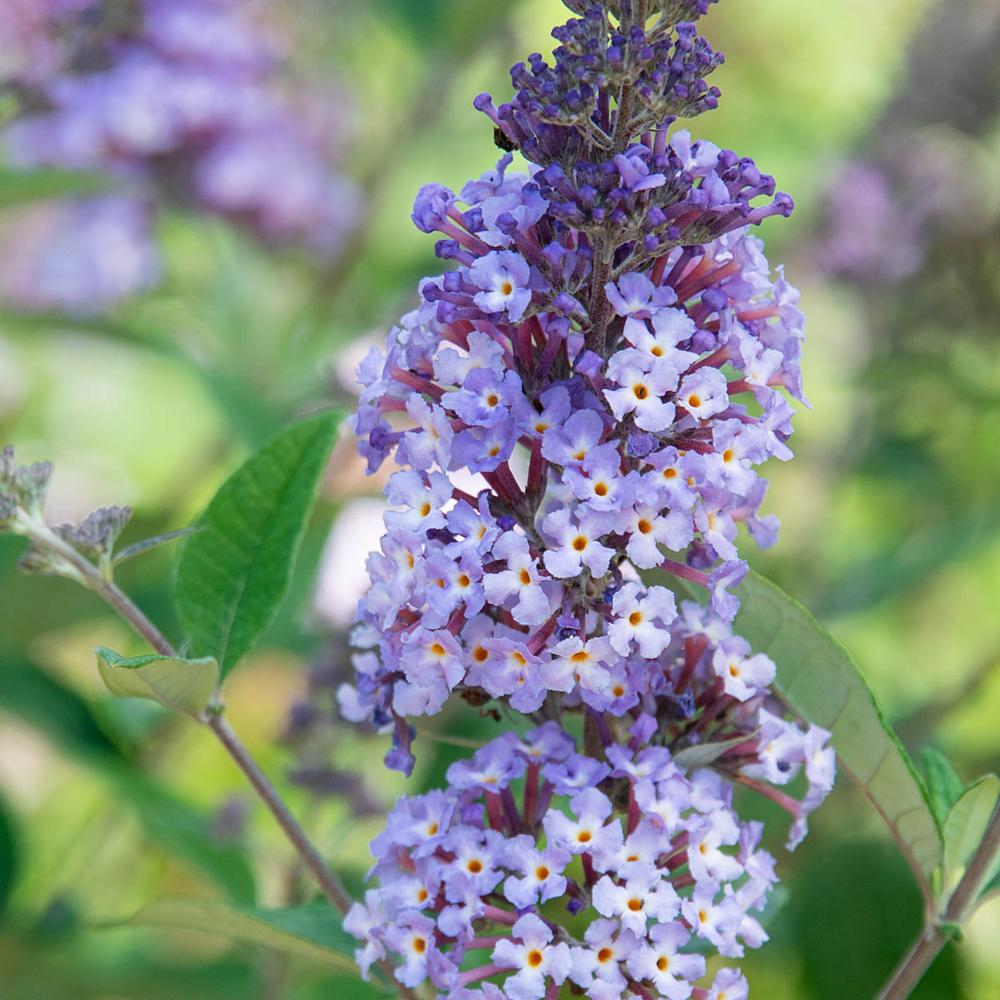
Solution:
(708, 753)
(233, 575)
(312, 931)
(944, 786)
(10, 853)
(964, 829)
(818, 679)
(186, 686)
(21, 186)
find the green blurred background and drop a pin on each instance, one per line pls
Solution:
(891, 511)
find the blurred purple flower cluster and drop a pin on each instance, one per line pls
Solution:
(583, 400)
(31, 49)
(882, 217)
(181, 101)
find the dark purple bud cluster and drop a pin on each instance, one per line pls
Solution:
(594, 122)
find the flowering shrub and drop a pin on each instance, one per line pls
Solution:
(574, 419)
(612, 319)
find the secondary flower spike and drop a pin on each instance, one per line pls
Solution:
(181, 102)
(578, 410)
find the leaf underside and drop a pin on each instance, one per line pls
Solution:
(705, 754)
(186, 686)
(818, 680)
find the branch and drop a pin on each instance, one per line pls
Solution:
(934, 937)
(90, 576)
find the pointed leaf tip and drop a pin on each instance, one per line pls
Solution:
(234, 573)
(944, 786)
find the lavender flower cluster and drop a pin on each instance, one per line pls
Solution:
(179, 99)
(485, 881)
(638, 852)
(579, 404)
(632, 460)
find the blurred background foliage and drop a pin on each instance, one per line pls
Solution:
(882, 120)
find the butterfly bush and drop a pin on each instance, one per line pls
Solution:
(577, 411)
(180, 100)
